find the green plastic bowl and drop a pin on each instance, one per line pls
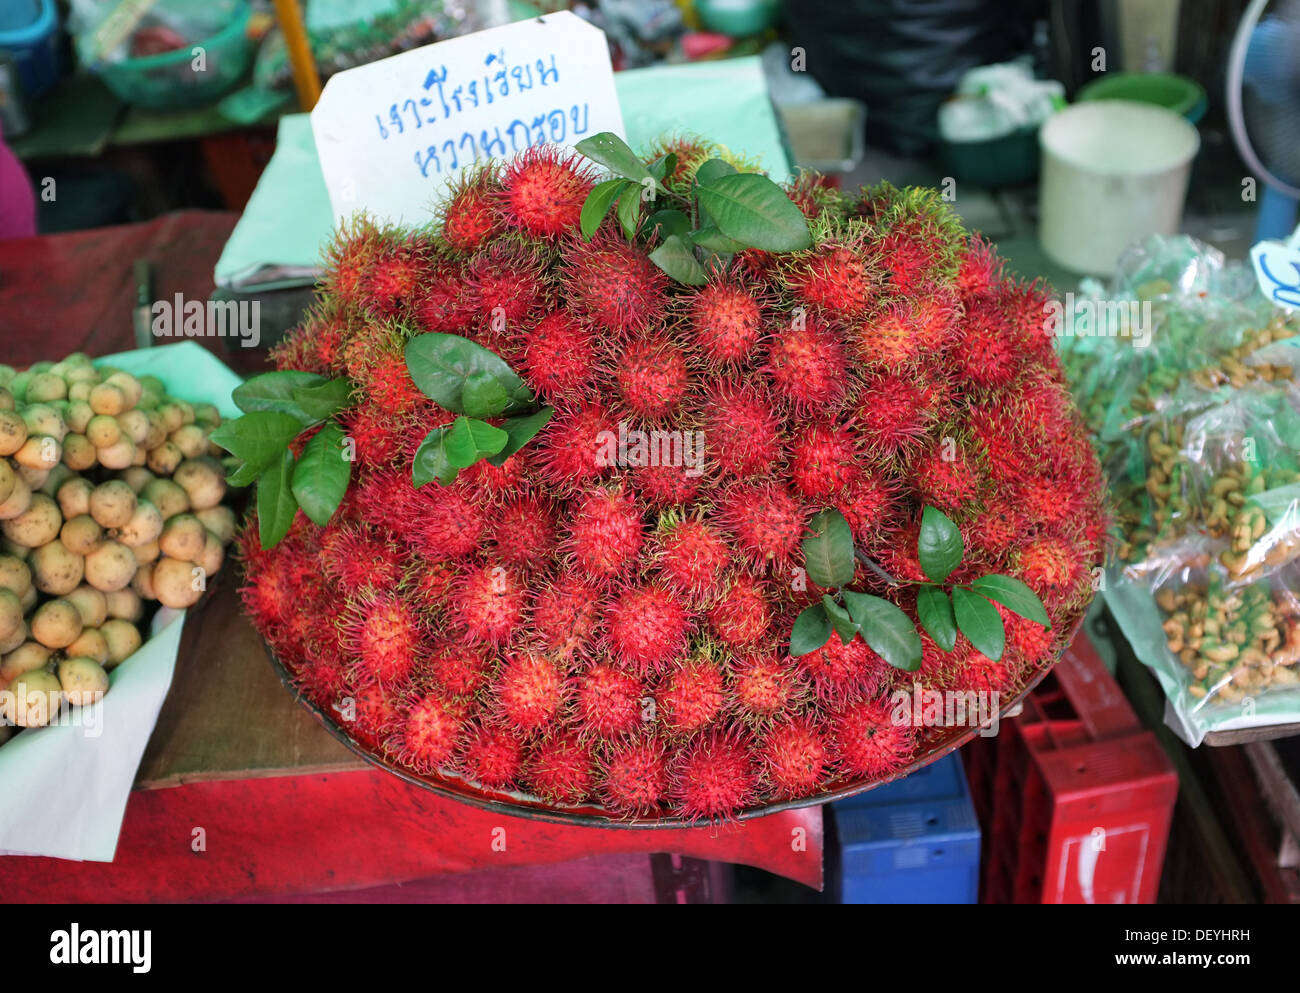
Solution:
(997, 163)
(169, 81)
(738, 18)
(1164, 89)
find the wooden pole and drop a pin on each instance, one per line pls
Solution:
(305, 79)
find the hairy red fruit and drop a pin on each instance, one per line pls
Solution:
(809, 367)
(460, 669)
(766, 522)
(525, 533)
(470, 220)
(1051, 567)
(322, 681)
(493, 757)
(946, 476)
(839, 672)
(544, 190)
(725, 321)
(578, 446)
(651, 375)
(741, 430)
(438, 522)
(349, 260)
(691, 556)
(895, 412)
(646, 628)
(487, 602)
(979, 267)
(824, 459)
(373, 712)
(606, 534)
(379, 437)
(427, 735)
(506, 283)
(566, 612)
(869, 504)
(866, 741)
(560, 769)
(795, 758)
(355, 557)
(529, 691)
(396, 279)
(763, 684)
(691, 696)
(985, 354)
(608, 701)
(384, 636)
(634, 777)
(559, 357)
(743, 615)
(386, 383)
(613, 284)
(445, 304)
(832, 278)
(667, 485)
(714, 778)
(1028, 640)
(271, 594)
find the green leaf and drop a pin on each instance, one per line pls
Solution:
(440, 364)
(935, 612)
(939, 546)
(753, 210)
(612, 152)
(274, 391)
(521, 431)
(669, 222)
(812, 629)
(258, 438)
(597, 205)
(828, 551)
(980, 622)
(320, 479)
(484, 396)
(663, 167)
(890, 632)
(840, 619)
(243, 474)
(470, 440)
(323, 400)
(676, 258)
(629, 212)
(276, 505)
(1014, 595)
(712, 170)
(715, 241)
(431, 462)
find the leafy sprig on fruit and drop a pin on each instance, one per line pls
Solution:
(476, 384)
(724, 211)
(944, 609)
(279, 407)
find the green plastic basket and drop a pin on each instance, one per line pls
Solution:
(1164, 89)
(169, 81)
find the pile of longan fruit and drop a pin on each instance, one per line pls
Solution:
(110, 497)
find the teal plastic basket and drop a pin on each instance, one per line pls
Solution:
(169, 81)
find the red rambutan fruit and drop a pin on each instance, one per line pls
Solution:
(271, 594)
(438, 522)
(1028, 640)
(460, 669)
(445, 303)
(766, 522)
(525, 533)
(690, 557)
(608, 701)
(386, 383)
(529, 691)
(566, 612)
(578, 446)
(839, 672)
(808, 365)
(1051, 567)
(823, 460)
(372, 712)
(427, 583)
(867, 742)
(544, 189)
(560, 769)
(379, 437)
(646, 627)
(559, 356)
(384, 637)
(613, 284)
(794, 758)
(396, 278)
(869, 504)
(725, 322)
(714, 778)
(691, 696)
(897, 553)
(495, 480)
(606, 534)
(984, 353)
(427, 735)
(634, 777)
(741, 430)
(763, 684)
(995, 531)
(469, 219)
(1028, 318)
(355, 557)
(946, 476)
(349, 259)
(743, 615)
(666, 485)
(651, 375)
(895, 412)
(834, 278)
(506, 282)
(493, 757)
(487, 602)
(979, 267)
(322, 681)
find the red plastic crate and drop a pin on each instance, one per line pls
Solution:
(1074, 797)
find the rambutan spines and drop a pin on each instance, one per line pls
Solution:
(690, 556)
(487, 603)
(742, 616)
(566, 613)
(808, 365)
(651, 375)
(529, 691)
(506, 283)
(835, 278)
(560, 769)
(741, 430)
(608, 701)
(428, 732)
(525, 532)
(356, 557)
(460, 669)
(612, 284)
(606, 534)
(867, 742)
(578, 446)
(714, 778)
(634, 777)
(646, 627)
(837, 672)
(824, 459)
(725, 322)
(493, 756)
(384, 636)
(766, 522)
(470, 218)
(558, 357)
(794, 757)
(691, 696)
(543, 190)
(763, 684)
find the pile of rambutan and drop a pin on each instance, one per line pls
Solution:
(612, 633)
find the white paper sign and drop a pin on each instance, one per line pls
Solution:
(1277, 268)
(393, 134)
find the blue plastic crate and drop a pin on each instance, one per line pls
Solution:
(29, 30)
(913, 841)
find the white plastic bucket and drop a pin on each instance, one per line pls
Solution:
(1113, 172)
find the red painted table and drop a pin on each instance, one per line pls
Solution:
(241, 795)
